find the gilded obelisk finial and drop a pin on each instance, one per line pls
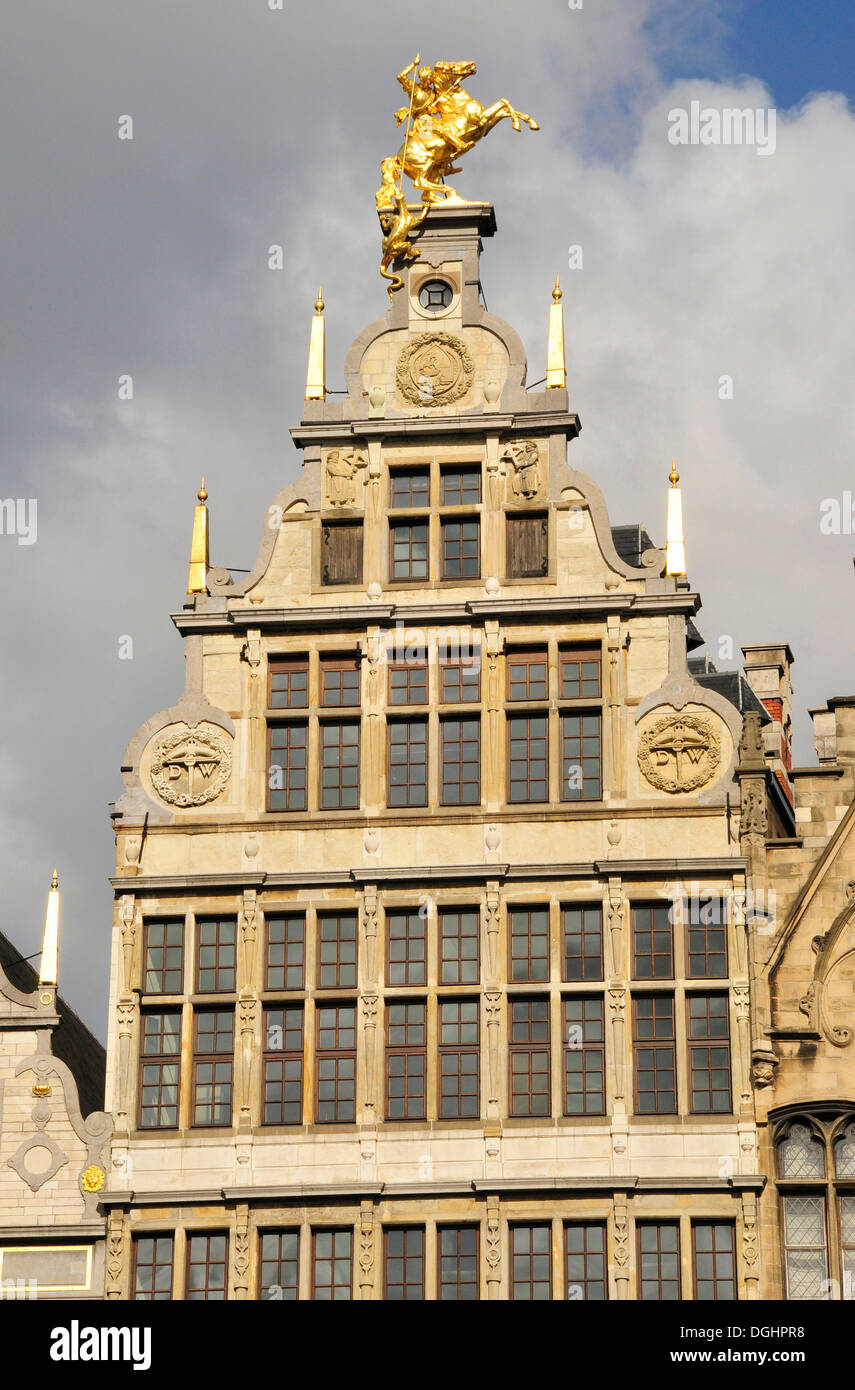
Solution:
(197, 582)
(675, 548)
(48, 968)
(556, 369)
(316, 369)
(443, 122)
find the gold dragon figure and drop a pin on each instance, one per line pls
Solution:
(443, 122)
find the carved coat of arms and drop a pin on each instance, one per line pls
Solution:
(191, 767)
(679, 753)
(434, 369)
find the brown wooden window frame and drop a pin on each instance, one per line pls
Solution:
(337, 1054)
(530, 739)
(219, 1059)
(342, 564)
(529, 1048)
(414, 683)
(291, 756)
(415, 1237)
(526, 660)
(164, 952)
(340, 667)
(715, 1280)
(452, 1050)
(593, 1048)
(457, 690)
(462, 743)
(422, 472)
(698, 1044)
(527, 937)
(416, 791)
(656, 1044)
(589, 932)
(339, 765)
(659, 1252)
(288, 1291)
(456, 547)
(406, 1058)
(530, 1254)
(343, 962)
(287, 1060)
(457, 1256)
(341, 1249)
(701, 943)
(287, 921)
(289, 667)
(409, 570)
(578, 729)
(586, 1281)
(207, 1293)
(159, 1063)
(527, 545)
(460, 471)
(153, 1294)
(579, 657)
(659, 922)
(224, 965)
(410, 946)
(463, 961)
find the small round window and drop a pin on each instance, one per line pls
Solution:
(435, 295)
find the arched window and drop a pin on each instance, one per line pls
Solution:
(816, 1182)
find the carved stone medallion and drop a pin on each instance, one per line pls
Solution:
(191, 767)
(434, 369)
(679, 753)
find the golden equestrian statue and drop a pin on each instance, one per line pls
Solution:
(443, 122)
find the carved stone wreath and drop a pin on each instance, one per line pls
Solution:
(434, 369)
(190, 768)
(679, 753)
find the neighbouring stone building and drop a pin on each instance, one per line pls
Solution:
(54, 1140)
(441, 889)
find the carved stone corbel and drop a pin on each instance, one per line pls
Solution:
(248, 934)
(366, 1250)
(491, 924)
(750, 1248)
(240, 1283)
(369, 1003)
(115, 1262)
(126, 1012)
(493, 1007)
(615, 921)
(494, 1249)
(621, 1245)
(617, 1005)
(370, 909)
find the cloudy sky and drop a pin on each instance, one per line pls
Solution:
(254, 126)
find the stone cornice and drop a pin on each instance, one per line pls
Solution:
(481, 423)
(550, 607)
(454, 873)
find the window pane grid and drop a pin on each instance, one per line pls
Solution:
(288, 765)
(652, 942)
(406, 1061)
(715, 1261)
(709, 1053)
(216, 955)
(654, 1055)
(152, 1269)
(283, 1066)
(529, 1057)
(527, 676)
(286, 946)
(584, 1057)
(289, 684)
(461, 549)
(706, 938)
(340, 682)
(279, 1264)
(531, 1263)
(337, 946)
(164, 957)
(207, 1263)
(583, 942)
(461, 487)
(336, 1064)
(404, 1263)
(586, 1267)
(460, 681)
(159, 1070)
(459, 1059)
(409, 550)
(212, 1068)
(461, 762)
(580, 674)
(581, 757)
(407, 763)
(339, 766)
(406, 948)
(408, 685)
(332, 1265)
(529, 943)
(458, 1264)
(459, 934)
(528, 756)
(659, 1261)
(409, 488)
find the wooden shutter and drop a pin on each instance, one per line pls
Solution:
(527, 546)
(341, 558)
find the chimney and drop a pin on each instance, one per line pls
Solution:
(824, 734)
(767, 670)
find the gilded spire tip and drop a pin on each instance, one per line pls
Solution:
(674, 476)
(319, 302)
(202, 494)
(54, 883)
(556, 293)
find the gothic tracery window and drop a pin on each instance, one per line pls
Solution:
(816, 1181)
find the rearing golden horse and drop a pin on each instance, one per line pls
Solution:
(448, 122)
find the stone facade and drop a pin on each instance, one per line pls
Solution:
(53, 1161)
(413, 950)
